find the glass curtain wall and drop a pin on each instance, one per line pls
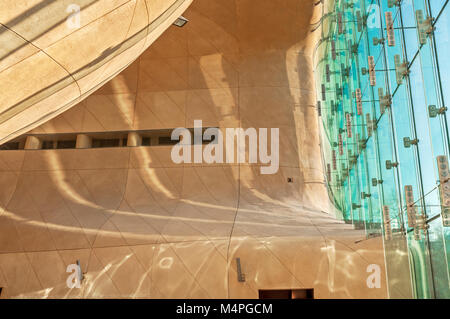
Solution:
(383, 87)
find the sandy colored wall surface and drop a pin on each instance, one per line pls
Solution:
(47, 65)
(143, 226)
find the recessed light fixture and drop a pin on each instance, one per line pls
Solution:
(180, 22)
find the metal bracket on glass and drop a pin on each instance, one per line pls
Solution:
(421, 223)
(319, 108)
(390, 164)
(340, 22)
(385, 100)
(387, 223)
(360, 20)
(353, 159)
(355, 206)
(362, 144)
(433, 111)
(424, 26)
(372, 74)
(411, 210)
(333, 107)
(334, 160)
(407, 142)
(348, 121)
(365, 195)
(374, 125)
(345, 71)
(352, 47)
(444, 178)
(401, 69)
(341, 144)
(328, 73)
(349, 5)
(333, 49)
(392, 3)
(338, 90)
(371, 125)
(358, 97)
(416, 231)
(445, 212)
(376, 182)
(364, 70)
(377, 41)
(390, 28)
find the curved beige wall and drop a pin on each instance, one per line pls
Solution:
(47, 65)
(143, 226)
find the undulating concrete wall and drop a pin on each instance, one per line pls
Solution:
(52, 56)
(143, 226)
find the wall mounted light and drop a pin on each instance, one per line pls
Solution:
(180, 22)
(240, 274)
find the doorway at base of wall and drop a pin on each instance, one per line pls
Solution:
(286, 294)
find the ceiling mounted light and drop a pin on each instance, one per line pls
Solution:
(180, 22)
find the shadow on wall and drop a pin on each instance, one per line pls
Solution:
(39, 12)
(134, 218)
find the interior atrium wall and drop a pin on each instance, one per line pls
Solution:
(141, 225)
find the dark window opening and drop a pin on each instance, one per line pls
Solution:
(97, 143)
(303, 294)
(48, 145)
(275, 294)
(9, 146)
(66, 144)
(105, 139)
(146, 141)
(287, 294)
(1, 291)
(167, 140)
